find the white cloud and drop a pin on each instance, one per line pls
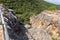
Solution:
(53, 1)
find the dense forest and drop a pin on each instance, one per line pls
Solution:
(25, 8)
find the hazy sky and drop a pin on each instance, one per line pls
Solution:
(54, 1)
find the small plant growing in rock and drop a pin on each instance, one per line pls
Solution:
(54, 38)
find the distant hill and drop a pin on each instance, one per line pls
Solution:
(58, 7)
(25, 8)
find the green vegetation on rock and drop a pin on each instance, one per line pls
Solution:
(25, 8)
(54, 38)
(52, 8)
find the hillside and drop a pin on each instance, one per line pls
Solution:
(25, 8)
(58, 7)
(45, 25)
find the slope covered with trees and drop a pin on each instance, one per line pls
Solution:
(25, 8)
(58, 7)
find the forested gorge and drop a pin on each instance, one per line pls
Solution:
(25, 8)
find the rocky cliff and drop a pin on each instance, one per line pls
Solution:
(10, 18)
(22, 32)
(48, 20)
(43, 26)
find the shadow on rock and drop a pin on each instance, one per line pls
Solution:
(20, 36)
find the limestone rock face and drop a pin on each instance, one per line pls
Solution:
(48, 20)
(10, 18)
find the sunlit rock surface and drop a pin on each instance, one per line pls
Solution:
(48, 20)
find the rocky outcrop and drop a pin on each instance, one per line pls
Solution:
(48, 20)
(38, 34)
(10, 18)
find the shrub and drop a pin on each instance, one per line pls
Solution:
(52, 8)
(54, 38)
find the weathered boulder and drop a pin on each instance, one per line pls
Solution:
(38, 34)
(48, 20)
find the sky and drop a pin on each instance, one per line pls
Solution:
(54, 1)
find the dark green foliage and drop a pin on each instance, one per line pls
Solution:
(25, 8)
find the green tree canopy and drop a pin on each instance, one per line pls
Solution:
(25, 8)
